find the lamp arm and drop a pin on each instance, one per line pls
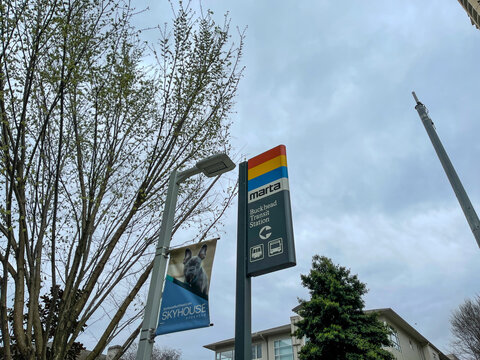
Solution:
(184, 175)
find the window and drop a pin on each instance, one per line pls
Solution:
(394, 338)
(230, 354)
(283, 349)
(225, 355)
(257, 351)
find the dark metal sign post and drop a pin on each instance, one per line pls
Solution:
(243, 305)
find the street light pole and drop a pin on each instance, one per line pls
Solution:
(149, 325)
(457, 186)
(211, 166)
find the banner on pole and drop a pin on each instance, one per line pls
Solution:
(185, 295)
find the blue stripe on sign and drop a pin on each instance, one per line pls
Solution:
(275, 174)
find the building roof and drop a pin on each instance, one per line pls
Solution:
(392, 315)
(399, 321)
(472, 8)
(256, 336)
(386, 312)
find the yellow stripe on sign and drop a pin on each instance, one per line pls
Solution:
(267, 166)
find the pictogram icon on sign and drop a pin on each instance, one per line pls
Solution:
(265, 232)
(275, 247)
(256, 253)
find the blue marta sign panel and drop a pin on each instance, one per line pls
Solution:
(270, 240)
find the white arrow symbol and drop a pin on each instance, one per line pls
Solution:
(265, 232)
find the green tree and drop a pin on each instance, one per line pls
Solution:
(333, 320)
(46, 307)
(92, 122)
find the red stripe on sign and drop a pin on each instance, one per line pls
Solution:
(267, 155)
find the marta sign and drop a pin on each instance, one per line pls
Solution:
(264, 233)
(269, 227)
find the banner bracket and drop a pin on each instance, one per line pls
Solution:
(151, 338)
(163, 251)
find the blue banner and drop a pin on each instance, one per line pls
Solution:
(185, 295)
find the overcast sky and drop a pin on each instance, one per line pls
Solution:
(332, 80)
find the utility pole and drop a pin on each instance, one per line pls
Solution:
(457, 186)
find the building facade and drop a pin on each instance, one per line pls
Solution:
(472, 7)
(279, 344)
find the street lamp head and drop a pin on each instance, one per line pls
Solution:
(215, 165)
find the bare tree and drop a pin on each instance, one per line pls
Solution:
(88, 137)
(465, 323)
(163, 353)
